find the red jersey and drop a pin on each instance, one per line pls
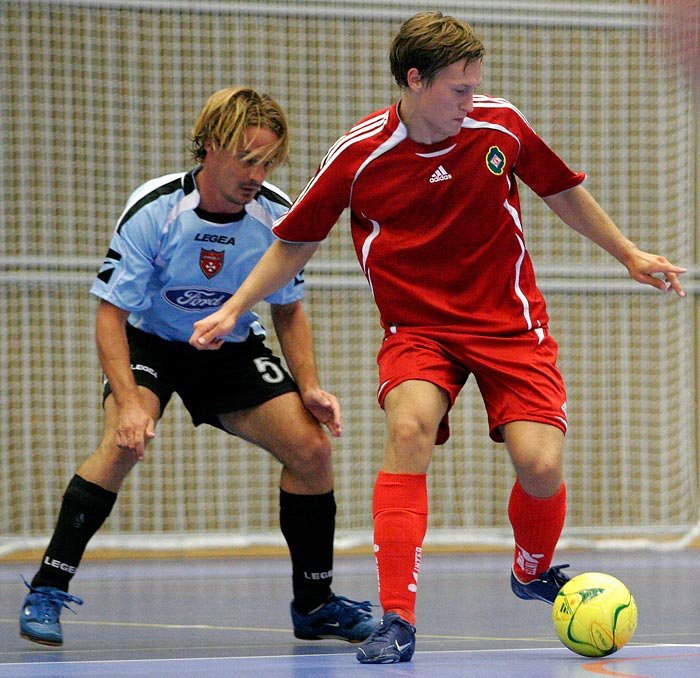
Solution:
(437, 228)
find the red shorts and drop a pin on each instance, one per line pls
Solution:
(516, 375)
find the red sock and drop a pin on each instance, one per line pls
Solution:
(400, 509)
(537, 525)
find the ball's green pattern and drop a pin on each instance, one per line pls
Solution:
(594, 614)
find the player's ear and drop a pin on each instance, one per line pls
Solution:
(413, 79)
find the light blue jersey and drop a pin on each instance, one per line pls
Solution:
(170, 264)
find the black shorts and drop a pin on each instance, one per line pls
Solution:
(234, 377)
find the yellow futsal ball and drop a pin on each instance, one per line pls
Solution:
(594, 614)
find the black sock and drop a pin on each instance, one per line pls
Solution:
(85, 507)
(308, 525)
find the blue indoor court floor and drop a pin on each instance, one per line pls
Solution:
(230, 617)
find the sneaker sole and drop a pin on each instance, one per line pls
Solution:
(329, 636)
(535, 597)
(41, 641)
(393, 659)
(530, 595)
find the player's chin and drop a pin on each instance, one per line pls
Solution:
(453, 129)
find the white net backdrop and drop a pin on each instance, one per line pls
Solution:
(97, 97)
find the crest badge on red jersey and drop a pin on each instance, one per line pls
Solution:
(495, 160)
(211, 262)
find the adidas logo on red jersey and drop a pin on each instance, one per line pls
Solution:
(440, 174)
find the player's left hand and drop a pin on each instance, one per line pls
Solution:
(325, 407)
(657, 271)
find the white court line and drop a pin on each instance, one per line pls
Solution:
(93, 662)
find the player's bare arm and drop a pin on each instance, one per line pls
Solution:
(296, 340)
(276, 268)
(135, 426)
(578, 209)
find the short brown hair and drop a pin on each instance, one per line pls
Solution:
(226, 115)
(429, 42)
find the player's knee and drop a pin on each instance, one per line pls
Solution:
(311, 455)
(408, 432)
(540, 477)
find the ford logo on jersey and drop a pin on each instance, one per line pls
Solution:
(195, 298)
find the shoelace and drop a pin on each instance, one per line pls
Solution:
(383, 629)
(554, 574)
(50, 599)
(346, 604)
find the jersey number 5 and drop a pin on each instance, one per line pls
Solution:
(271, 372)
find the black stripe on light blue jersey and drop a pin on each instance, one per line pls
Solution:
(185, 183)
(273, 196)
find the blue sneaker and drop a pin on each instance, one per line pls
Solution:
(545, 587)
(339, 618)
(393, 641)
(40, 617)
